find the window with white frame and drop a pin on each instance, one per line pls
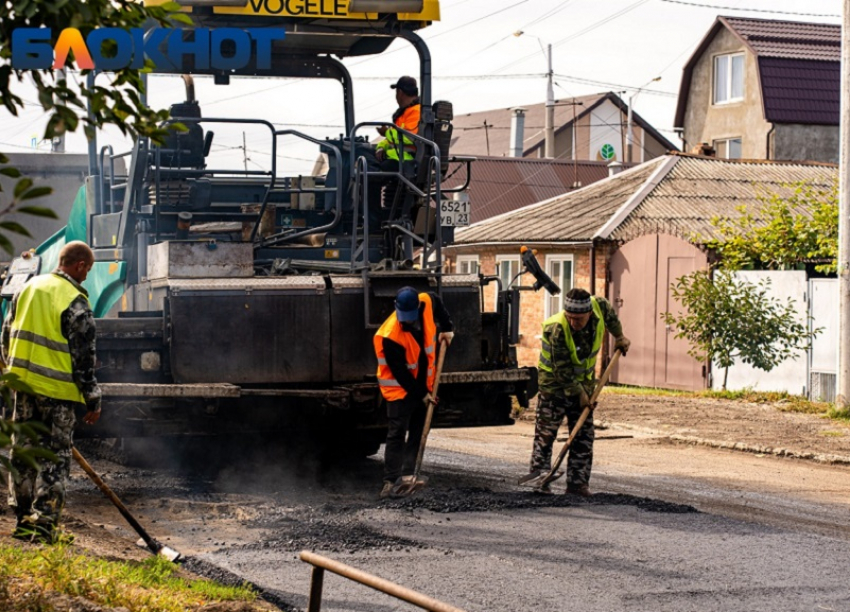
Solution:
(507, 267)
(728, 148)
(728, 78)
(560, 269)
(467, 264)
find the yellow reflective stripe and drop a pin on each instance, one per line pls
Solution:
(29, 366)
(27, 336)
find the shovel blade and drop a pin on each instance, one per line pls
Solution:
(537, 480)
(160, 549)
(408, 485)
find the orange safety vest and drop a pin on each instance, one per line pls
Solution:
(408, 120)
(390, 388)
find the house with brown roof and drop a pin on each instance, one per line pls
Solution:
(592, 128)
(763, 89)
(627, 238)
(497, 185)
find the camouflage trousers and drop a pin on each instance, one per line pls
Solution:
(551, 411)
(37, 493)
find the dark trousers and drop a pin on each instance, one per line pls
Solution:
(551, 411)
(37, 493)
(406, 420)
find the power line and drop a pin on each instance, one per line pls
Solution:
(583, 81)
(749, 10)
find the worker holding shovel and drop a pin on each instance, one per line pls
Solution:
(406, 348)
(569, 347)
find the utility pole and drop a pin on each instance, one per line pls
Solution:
(549, 129)
(631, 139)
(244, 152)
(57, 144)
(842, 391)
(550, 107)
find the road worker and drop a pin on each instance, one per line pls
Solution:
(566, 374)
(406, 347)
(405, 117)
(49, 344)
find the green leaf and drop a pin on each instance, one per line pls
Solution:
(16, 228)
(21, 186)
(13, 172)
(38, 211)
(6, 245)
(37, 192)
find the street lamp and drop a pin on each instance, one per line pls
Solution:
(550, 98)
(632, 97)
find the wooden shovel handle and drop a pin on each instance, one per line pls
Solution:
(444, 346)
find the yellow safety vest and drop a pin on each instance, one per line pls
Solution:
(38, 352)
(582, 369)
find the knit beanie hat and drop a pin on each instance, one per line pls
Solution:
(577, 301)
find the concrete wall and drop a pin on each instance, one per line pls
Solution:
(805, 142)
(64, 172)
(532, 304)
(707, 122)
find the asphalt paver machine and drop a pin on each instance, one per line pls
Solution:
(242, 300)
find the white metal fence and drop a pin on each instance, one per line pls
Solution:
(812, 374)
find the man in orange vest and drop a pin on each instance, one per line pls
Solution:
(406, 347)
(405, 117)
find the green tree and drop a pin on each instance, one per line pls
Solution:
(726, 319)
(781, 231)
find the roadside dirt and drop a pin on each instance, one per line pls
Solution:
(760, 429)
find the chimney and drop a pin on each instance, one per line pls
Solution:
(614, 167)
(517, 132)
(704, 149)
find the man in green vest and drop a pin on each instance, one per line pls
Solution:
(49, 343)
(566, 374)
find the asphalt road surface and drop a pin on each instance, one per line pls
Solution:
(669, 528)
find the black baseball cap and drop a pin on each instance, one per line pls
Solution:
(407, 84)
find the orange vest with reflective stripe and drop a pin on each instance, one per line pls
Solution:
(390, 388)
(409, 119)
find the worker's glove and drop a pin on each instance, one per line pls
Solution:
(622, 344)
(447, 336)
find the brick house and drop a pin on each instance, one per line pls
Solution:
(626, 237)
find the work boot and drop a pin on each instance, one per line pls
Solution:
(578, 489)
(387, 491)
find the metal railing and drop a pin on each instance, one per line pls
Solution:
(321, 564)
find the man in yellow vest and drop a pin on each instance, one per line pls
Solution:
(406, 347)
(566, 375)
(49, 342)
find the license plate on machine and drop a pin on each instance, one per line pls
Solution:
(454, 213)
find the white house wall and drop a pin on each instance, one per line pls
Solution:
(606, 128)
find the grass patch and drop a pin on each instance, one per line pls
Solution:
(30, 575)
